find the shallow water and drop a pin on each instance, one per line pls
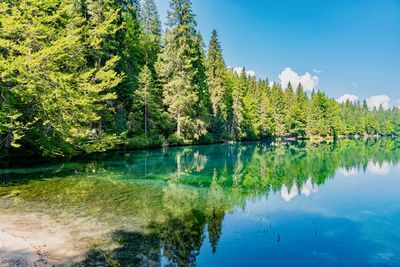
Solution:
(249, 204)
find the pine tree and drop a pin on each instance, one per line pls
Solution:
(322, 116)
(203, 105)
(315, 124)
(141, 45)
(130, 50)
(265, 109)
(56, 94)
(101, 19)
(236, 104)
(251, 123)
(151, 33)
(332, 117)
(290, 100)
(122, 41)
(179, 67)
(145, 101)
(216, 71)
(299, 113)
(279, 109)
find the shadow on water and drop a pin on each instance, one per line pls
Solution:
(176, 242)
(134, 249)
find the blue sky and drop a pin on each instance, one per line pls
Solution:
(349, 46)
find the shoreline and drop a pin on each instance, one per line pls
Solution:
(19, 251)
(33, 160)
(37, 239)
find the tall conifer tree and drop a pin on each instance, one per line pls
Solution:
(152, 32)
(216, 72)
(179, 68)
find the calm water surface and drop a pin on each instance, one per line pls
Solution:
(249, 204)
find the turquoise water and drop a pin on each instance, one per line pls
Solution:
(248, 204)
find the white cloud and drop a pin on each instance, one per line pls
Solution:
(309, 188)
(317, 71)
(347, 97)
(376, 101)
(308, 81)
(348, 172)
(249, 73)
(287, 194)
(306, 189)
(378, 169)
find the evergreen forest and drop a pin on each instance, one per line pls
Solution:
(84, 76)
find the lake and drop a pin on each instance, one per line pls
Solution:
(245, 204)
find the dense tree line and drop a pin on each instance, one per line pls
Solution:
(79, 76)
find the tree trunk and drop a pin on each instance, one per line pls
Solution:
(145, 120)
(178, 127)
(145, 113)
(8, 141)
(99, 129)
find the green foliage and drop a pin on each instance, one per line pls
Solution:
(234, 101)
(207, 139)
(322, 116)
(216, 71)
(279, 109)
(80, 76)
(181, 69)
(146, 107)
(151, 33)
(145, 141)
(175, 140)
(53, 94)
